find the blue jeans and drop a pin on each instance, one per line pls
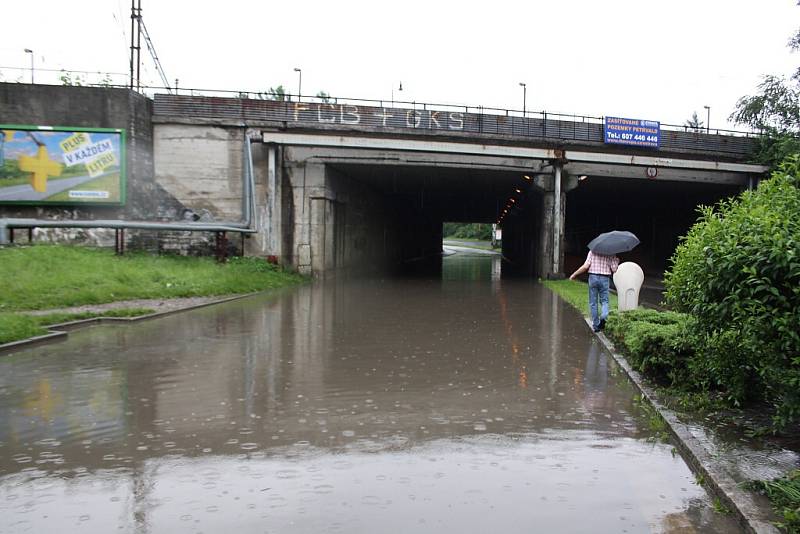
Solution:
(598, 290)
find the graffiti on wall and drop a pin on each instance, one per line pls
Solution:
(349, 114)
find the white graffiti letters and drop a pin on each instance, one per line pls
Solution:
(325, 113)
(349, 114)
(329, 108)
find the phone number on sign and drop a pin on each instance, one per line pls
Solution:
(640, 137)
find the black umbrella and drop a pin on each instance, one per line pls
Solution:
(613, 242)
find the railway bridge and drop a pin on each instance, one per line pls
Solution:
(351, 184)
(333, 185)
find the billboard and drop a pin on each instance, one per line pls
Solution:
(634, 132)
(43, 165)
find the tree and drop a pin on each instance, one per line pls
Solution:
(277, 93)
(67, 79)
(324, 97)
(694, 124)
(775, 112)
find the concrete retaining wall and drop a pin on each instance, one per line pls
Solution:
(199, 169)
(91, 107)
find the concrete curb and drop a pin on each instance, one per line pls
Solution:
(751, 516)
(60, 331)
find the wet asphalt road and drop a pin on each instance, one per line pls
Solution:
(458, 403)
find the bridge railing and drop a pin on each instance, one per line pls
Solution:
(421, 117)
(289, 98)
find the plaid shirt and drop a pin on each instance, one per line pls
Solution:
(599, 264)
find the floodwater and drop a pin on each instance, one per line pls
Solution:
(462, 403)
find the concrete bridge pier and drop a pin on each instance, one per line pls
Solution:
(335, 223)
(309, 227)
(533, 239)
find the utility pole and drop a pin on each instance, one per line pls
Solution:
(524, 97)
(136, 42)
(708, 119)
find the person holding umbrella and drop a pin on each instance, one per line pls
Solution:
(602, 262)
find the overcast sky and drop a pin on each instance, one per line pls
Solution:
(626, 58)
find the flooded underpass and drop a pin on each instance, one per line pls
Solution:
(464, 402)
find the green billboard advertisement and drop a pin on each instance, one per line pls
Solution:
(41, 165)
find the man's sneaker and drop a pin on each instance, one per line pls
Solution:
(602, 324)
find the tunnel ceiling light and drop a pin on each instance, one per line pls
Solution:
(582, 178)
(512, 199)
(527, 177)
(517, 190)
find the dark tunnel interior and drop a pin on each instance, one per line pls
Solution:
(658, 212)
(422, 198)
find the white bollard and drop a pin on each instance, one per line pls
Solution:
(628, 281)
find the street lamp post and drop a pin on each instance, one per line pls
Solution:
(524, 97)
(299, 72)
(29, 51)
(708, 119)
(399, 89)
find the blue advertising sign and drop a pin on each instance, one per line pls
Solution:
(634, 132)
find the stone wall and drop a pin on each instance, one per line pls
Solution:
(201, 167)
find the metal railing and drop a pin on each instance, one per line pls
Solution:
(152, 90)
(291, 99)
(423, 117)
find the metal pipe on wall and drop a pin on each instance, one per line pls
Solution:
(272, 187)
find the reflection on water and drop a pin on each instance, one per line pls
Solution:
(464, 403)
(467, 265)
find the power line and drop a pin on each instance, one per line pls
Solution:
(67, 70)
(152, 50)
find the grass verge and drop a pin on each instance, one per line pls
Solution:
(577, 294)
(55, 276)
(16, 326)
(784, 494)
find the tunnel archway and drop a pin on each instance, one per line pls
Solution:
(658, 212)
(363, 203)
(417, 200)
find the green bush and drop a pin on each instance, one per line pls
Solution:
(477, 231)
(655, 343)
(737, 272)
